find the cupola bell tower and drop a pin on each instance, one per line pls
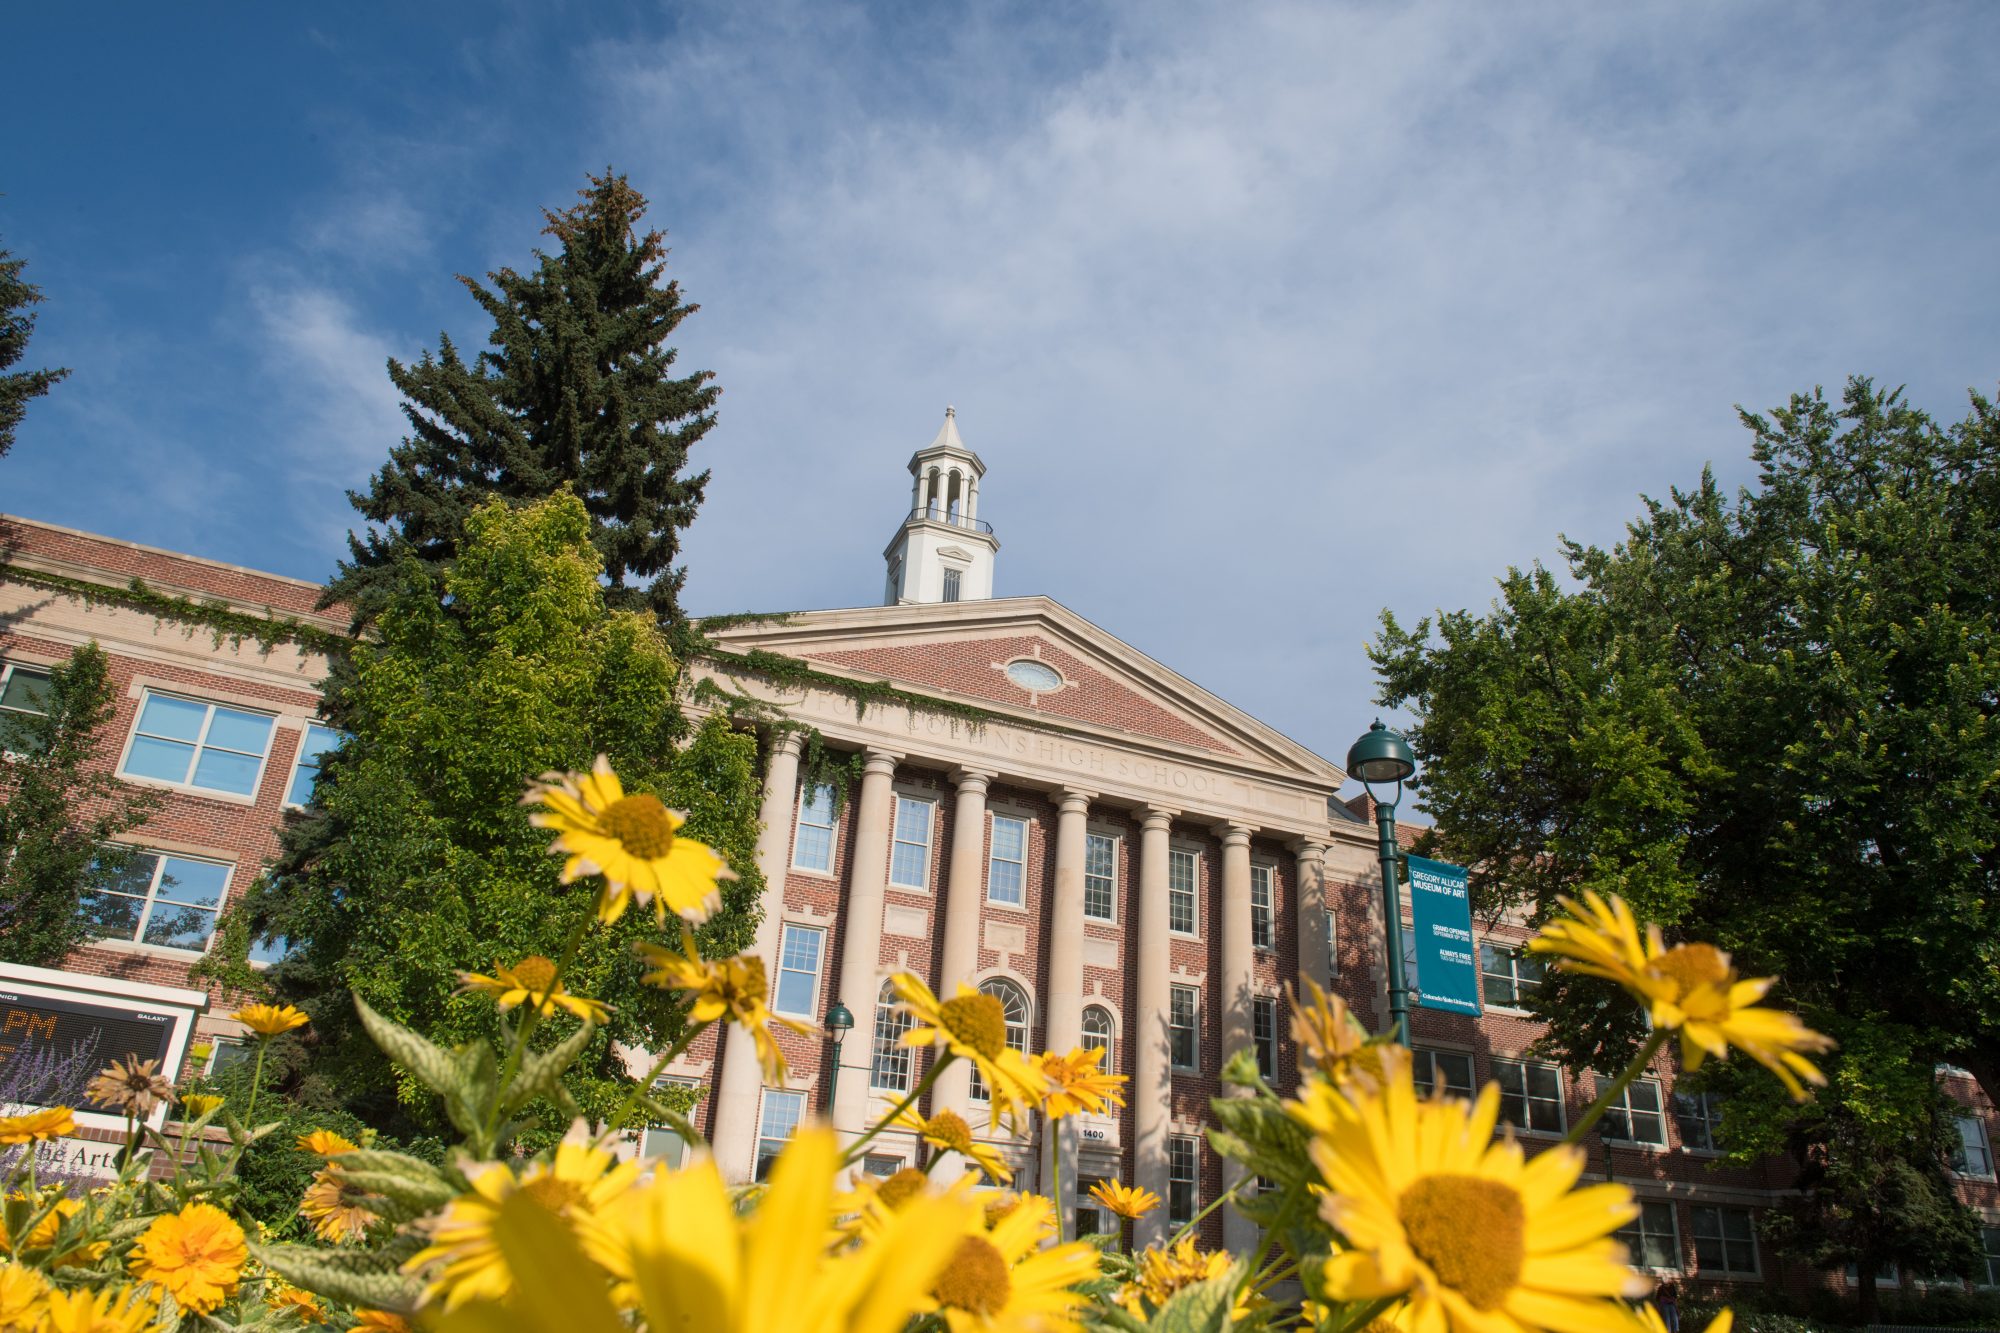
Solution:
(944, 550)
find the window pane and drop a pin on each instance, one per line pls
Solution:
(815, 848)
(664, 1146)
(167, 761)
(110, 916)
(231, 730)
(1004, 884)
(269, 949)
(909, 860)
(195, 883)
(172, 719)
(1010, 837)
(27, 691)
(174, 927)
(224, 770)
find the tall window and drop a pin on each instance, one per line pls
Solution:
(1698, 1115)
(799, 951)
(204, 746)
(1097, 1036)
(776, 1124)
(1410, 960)
(951, 581)
(1100, 877)
(1508, 974)
(663, 1143)
(169, 901)
(1451, 1070)
(1973, 1155)
(1184, 1026)
(305, 771)
(910, 859)
(1262, 927)
(1264, 1034)
(1181, 891)
(1092, 1220)
(1723, 1239)
(24, 696)
(812, 849)
(1014, 1008)
(1183, 1163)
(1990, 1237)
(1651, 1238)
(892, 1058)
(1332, 944)
(1635, 1115)
(1007, 871)
(1531, 1095)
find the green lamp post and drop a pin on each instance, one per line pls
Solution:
(1384, 756)
(839, 1021)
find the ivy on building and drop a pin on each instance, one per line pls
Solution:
(224, 621)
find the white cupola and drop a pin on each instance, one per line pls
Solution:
(944, 550)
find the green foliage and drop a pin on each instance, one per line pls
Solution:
(58, 811)
(224, 623)
(418, 861)
(577, 391)
(17, 324)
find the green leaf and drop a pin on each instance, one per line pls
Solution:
(431, 1065)
(330, 1274)
(542, 1071)
(1202, 1308)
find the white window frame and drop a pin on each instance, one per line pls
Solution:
(993, 858)
(818, 974)
(1188, 1147)
(299, 760)
(1528, 1099)
(1756, 1269)
(137, 940)
(1514, 951)
(1109, 1064)
(1192, 1027)
(897, 841)
(1428, 1084)
(1191, 858)
(1264, 915)
(807, 793)
(1989, 1239)
(1708, 1115)
(146, 696)
(1332, 944)
(1110, 842)
(1984, 1146)
(1262, 1043)
(892, 1020)
(1003, 989)
(1623, 1107)
(647, 1132)
(773, 1098)
(8, 670)
(951, 584)
(1636, 1254)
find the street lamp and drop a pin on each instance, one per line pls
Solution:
(839, 1022)
(1384, 756)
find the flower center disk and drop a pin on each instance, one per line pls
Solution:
(978, 1021)
(553, 1193)
(535, 973)
(1472, 1233)
(1690, 966)
(641, 824)
(976, 1278)
(901, 1187)
(948, 1127)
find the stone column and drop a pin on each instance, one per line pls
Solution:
(1238, 965)
(1314, 965)
(734, 1124)
(861, 936)
(1153, 1081)
(1064, 1030)
(964, 903)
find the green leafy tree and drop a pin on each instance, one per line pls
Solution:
(577, 389)
(418, 863)
(60, 811)
(17, 324)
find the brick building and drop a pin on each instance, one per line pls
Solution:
(1121, 857)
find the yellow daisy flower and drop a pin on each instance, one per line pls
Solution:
(574, 1186)
(270, 1020)
(132, 1086)
(47, 1230)
(54, 1122)
(195, 1105)
(948, 1131)
(732, 988)
(633, 841)
(125, 1309)
(1646, 1319)
(1129, 1201)
(301, 1303)
(1469, 1232)
(973, 1025)
(1075, 1083)
(326, 1143)
(379, 1321)
(532, 979)
(22, 1291)
(1690, 988)
(1001, 1279)
(1166, 1269)
(338, 1210)
(197, 1254)
(1331, 1038)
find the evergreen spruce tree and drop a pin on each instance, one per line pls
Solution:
(17, 323)
(577, 389)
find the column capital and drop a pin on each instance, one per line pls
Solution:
(881, 761)
(1074, 799)
(1232, 833)
(787, 741)
(1308, 849)
(1156, 816)
(971, 779)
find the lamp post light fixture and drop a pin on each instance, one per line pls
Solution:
(839, 1021)
(1384, 756)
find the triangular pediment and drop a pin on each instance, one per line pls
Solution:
(1074, 675)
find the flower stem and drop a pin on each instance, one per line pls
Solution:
(631, 1102)
(530, 1018)
(1051, 1177)
(853, 1153)
(1611, 1093)
(1187, 1227)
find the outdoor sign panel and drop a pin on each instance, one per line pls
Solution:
(1442, 914)
(59, 1029)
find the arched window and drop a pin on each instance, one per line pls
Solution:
(1015, 1006)
(892, 1058)
(1097, 1034)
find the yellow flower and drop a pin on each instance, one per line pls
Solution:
(1076, 1085)
(302, 1303)
(36, 1125)
(326, 1143)
(133, 1086)
(1133, 1201)
(124, 1309)
(1164, 1270)
(1646, 1319)
(973, 1025)
(379, 1321)
(197, 1254)
(195, 1105)
(22, 1293)
(580, 1181)
(947, 1130)
(691, 1261)
(1690, 988)
(1331, 1039)
(1000, 1279)
(338, 1210)
(633, 841)
(734, 988)
(270, 1020)
(533, 978)
(47, 1230)
(1469, 1232)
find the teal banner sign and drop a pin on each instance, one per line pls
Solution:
(1442, 914)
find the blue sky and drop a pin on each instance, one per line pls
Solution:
(1263, 316)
